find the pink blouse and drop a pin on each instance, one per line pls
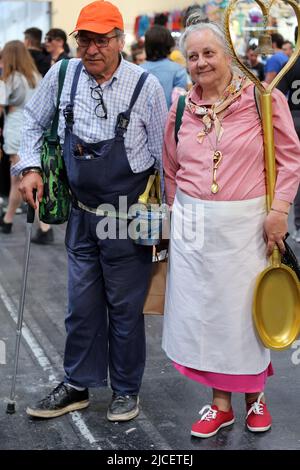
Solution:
(241, 173)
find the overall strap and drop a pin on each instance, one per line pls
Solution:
(68, 111)
(75, 82)
(61, 78)
(179, 114)
(137, 90)
(124, 118)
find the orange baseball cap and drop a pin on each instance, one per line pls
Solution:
(99, 17)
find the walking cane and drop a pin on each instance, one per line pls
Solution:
(30, 219)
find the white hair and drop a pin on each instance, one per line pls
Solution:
(195, 23)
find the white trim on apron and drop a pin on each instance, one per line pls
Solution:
(208, 311)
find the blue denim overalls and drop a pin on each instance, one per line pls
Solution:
(108, 278)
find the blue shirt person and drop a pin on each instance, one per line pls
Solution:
(277, 61)
(158, 45)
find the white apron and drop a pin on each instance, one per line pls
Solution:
(208, 310)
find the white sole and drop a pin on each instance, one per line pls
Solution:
(266, 428)
(124, 416)
(55, 413)
(224, 425)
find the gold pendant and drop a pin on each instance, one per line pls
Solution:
(214, 188)
(217, 157)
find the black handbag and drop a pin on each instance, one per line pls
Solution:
(290, 259)
(296, 118)
(55, 205)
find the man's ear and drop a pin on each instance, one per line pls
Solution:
(121, 43)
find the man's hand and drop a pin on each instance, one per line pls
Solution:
(28, 183)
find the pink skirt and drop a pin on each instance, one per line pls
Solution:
(228, 382)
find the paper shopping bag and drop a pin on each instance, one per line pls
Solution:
(155, 300)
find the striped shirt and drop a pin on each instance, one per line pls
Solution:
(144, 136)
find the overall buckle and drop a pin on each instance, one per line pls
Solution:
(69, 115)
(122, 122)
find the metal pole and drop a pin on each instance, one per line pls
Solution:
(30, 219)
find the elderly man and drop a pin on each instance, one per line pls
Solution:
(111, 123)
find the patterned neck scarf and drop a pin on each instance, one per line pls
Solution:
(210, 115)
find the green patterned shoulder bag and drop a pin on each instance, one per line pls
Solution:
(55, 205)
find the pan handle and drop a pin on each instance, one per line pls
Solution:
(276, 258)
(31, 210)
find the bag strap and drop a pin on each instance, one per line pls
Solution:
(257, 101)
(68, 111)
(61, 78)
(179, 114)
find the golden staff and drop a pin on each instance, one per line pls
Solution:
(276, 304)
(265, 92)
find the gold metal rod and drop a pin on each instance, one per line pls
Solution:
(266, 99)
(269, 148)
(269, 155)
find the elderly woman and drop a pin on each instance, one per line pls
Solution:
(221, 233)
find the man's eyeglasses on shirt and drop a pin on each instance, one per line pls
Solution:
(97, 94)
(99, 41)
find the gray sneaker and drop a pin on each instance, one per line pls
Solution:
(296, 235)
(123, 407)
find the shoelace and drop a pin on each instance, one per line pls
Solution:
(257, 407)
(121, 398)
(209, 415)
(56, 391)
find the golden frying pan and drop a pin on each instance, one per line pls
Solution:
(276, 302)
(276, 305)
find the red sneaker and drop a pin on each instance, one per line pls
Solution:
(211, 421)
(258, 417)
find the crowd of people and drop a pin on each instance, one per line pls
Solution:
(123, 128)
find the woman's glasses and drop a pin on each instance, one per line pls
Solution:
(100, 110)
(99, 41)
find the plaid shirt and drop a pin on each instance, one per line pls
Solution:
(144, 136)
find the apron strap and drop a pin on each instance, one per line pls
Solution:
(68, 111)
(124, 118)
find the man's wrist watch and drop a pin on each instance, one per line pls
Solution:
(32, 169)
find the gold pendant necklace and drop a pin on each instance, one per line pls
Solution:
(217, 157)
